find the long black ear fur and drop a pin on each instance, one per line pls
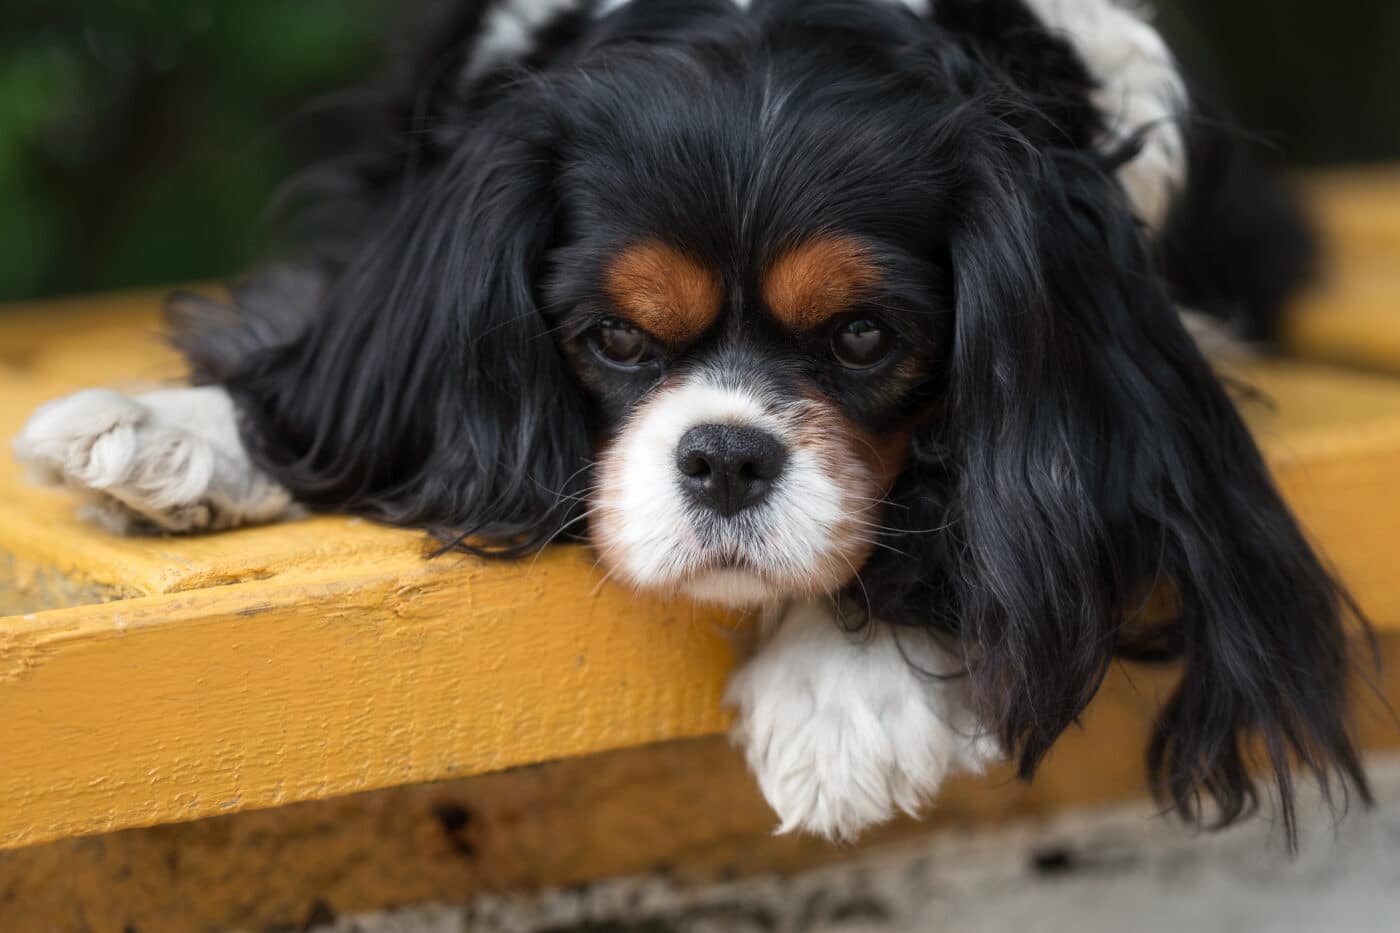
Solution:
(1094, 457)
(411, 376)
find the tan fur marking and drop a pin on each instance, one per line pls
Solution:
(817, 280)
(866, 466)
(663, 291)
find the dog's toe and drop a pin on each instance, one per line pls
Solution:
(86, 440)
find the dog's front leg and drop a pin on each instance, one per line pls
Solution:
(844, 730)
(166, 461)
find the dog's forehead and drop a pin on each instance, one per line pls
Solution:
(741, 140)
(678, 224)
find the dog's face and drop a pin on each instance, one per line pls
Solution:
(753, 419)
(752, 280)
(756, 375)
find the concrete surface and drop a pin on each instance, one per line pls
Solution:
(1118, 870)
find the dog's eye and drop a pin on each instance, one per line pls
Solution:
(861, 344)
(623, 344)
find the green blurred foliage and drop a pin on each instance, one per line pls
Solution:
(141, 139)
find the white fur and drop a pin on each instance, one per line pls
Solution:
(509, 31)
(169, 460)
(1140, 90)
(842, 731)
(648, 531)
(650, 542)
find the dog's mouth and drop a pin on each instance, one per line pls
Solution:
(737, 586)
(726, 572)
(734, 567)
(728, 552)
(748, 572)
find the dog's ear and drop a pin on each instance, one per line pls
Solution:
(1093, 457)
(412, 377)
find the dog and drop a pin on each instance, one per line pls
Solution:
(864, 314)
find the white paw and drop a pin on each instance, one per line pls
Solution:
(842, 733)
(167, 461)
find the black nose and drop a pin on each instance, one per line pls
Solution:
(728, 468)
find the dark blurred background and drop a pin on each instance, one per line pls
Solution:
(141, 139)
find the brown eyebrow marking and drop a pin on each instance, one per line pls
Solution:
(663, 291)
(818, 279)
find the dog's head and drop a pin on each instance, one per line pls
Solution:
(819, 298)
(748, 237)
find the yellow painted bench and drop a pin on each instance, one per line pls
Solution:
(154, 682)
(1353, 317)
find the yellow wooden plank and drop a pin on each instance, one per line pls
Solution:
(304, 686)
(1354, 322)
(1353, 315)
(1358, 203)
(1333, 440)
(318, 658)
(688, 808)
(50, 349)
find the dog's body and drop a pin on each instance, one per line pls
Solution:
(853, 310)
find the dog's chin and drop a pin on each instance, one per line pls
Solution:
(733, 588)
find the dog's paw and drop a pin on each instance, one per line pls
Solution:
(168, 461)
(842, 732)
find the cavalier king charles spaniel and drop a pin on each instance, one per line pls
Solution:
(862, 313)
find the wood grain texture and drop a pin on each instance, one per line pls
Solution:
(686, 809)
(146, 681)
(312, 684)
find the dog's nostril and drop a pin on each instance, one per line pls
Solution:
(728, 468)
(763, 467)
(694, 465)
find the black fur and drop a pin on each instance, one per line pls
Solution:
(1087, 453)
(421, 366)
(415, 381)
(1237, 245)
